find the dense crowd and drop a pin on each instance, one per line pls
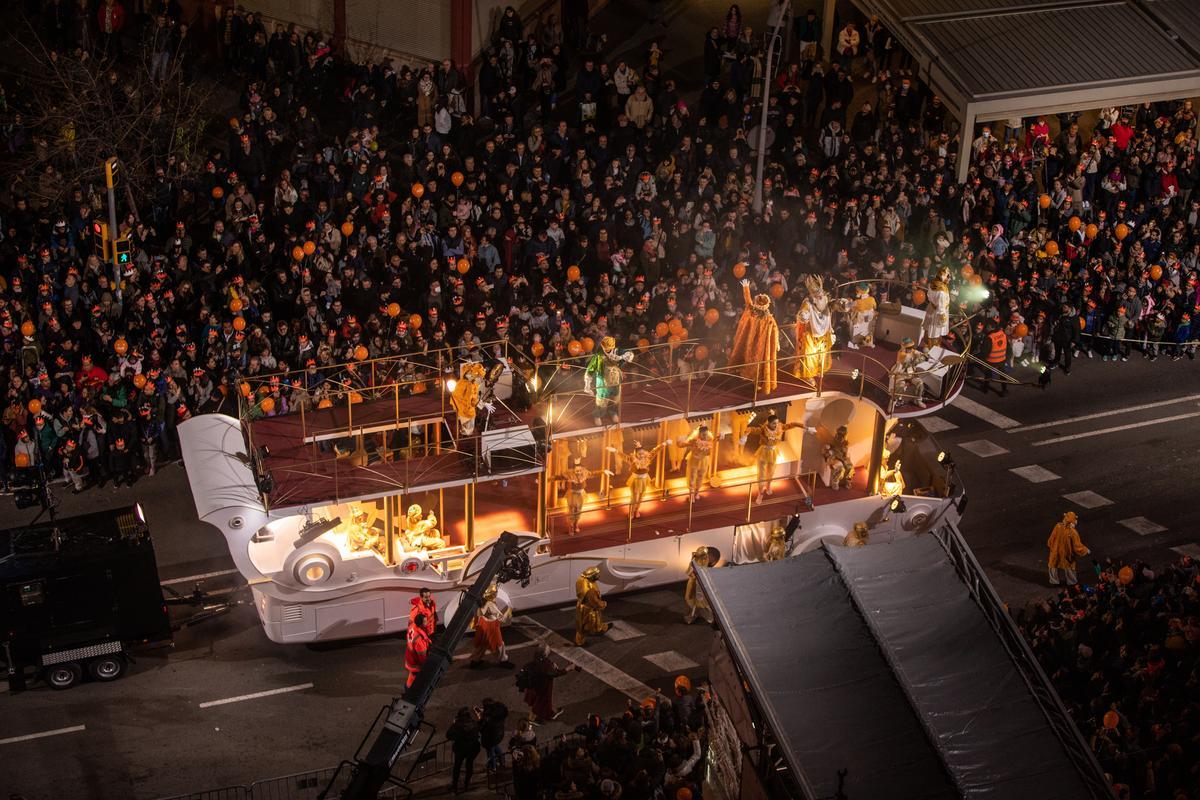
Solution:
(1124, 654)
(652, 750)
(353, 211)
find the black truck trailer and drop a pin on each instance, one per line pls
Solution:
(77, 594)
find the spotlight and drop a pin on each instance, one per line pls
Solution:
(854, 374)
(314, 528)
(897, 506)
(450, 384)
(946, 460)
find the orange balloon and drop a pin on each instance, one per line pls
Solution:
(120, 347)
(643, 343)
(218, 193)
(1074, 224)
(1082, 323)
(1052, 248)
(660, 330)
(575, 347)
(464, 266)
(1044, 201)
(21, 460)
(589, 344)
(325, 403)
(918, 297)
(414, 321)
(701, 353)
(683, 793)
(1111, 718)
(675, 326)
(239, 323)
(537, 349)
(682, 334)
(347, 228)
(1156, 272)
(967, 270)
(1125, 575)
(360, 353)
(298, 252)
(776, 290)
(674, 339)
(572, 273)
(1122, 231)
(267, 405)
(1021, 331)
(457, 179)
(27, 328)
(739, 270)
(393, 310)
(35, 406)
(235, 305)
(418, 189)
(309, 248)
(712, 316)
(245, 389)
(139, 380)
(1091, 231)
(976, 280)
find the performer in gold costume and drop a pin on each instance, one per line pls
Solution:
(465, 399)
(770, 434)
(421, 534)
(588, 605)
(639, 460)
(576, 479)
(937, 313)
(863, 311)
(814, 330)
(777, 548)
(756, 341)
(699, 447)
(693, 595)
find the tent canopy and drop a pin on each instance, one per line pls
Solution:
(880, 661)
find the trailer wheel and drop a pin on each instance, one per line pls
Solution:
(107, 668)
(63, 676)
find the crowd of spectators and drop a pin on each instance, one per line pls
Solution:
(351, 211)
(1124, 655)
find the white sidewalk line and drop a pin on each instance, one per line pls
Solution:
(43, 734)
(1101, 414)
(200, 577)
(591, 664)
(267, 693)
(983, 412)
(1115, 429)
(508, 648)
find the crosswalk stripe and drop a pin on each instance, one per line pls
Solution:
(984, 413)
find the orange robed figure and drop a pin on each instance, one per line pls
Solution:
(756, 341)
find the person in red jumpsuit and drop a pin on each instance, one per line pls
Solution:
(418, 647)
(425, 604)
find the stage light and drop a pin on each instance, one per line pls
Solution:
(450, 384)
(854, 374)
(897, 506)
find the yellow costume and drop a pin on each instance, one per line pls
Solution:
(814, 331)
(699, 447)
(837, 458)
(421, 534)
(576, 480)
(692, 594)
(588, 605)
(777, 548)
(639, 460)
(859, 537)
(465, 397)
(1065, 546)
(863, 311)
(937, 313)
(771, 434)
(756, 342)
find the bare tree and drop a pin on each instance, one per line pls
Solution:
(77, 111)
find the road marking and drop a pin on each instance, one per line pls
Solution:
(43, 734)
(508, 648)
(620, 630)
(200, 577)
(256, 695)
(983, 448)
(936, 424)
(671, 661)
(593, 665)
(1100, 414)
(1088, 499)
(1141, 526)
(1192, 550)
(1116, 428)
(1035, 474)
(983, 412)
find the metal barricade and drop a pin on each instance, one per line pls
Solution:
(226, 793)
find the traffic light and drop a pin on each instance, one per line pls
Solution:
(121, 251)
(100, 239)
(110, 172)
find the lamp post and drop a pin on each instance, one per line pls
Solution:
(776, 20)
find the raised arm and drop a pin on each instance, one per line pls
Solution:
(746, 292)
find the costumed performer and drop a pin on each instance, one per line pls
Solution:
(777, 548)
(639, 460)
(837, 458)
(576, 479)
(699, 447)
(588, 605)
(756, 341)
(1065, 546)
(466, 397)
(906, 382)
(863, 313)
(937, 313)
(814, 330)
(488, 636)
(770, 434)
(602, 378)
(693, 595)
(421, 534)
